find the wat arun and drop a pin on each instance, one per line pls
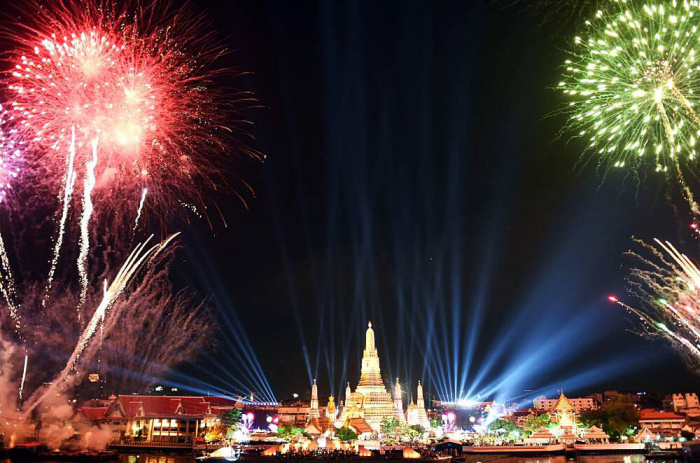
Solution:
(370, 401)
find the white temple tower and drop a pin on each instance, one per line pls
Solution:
(398, 403)
(313, 408)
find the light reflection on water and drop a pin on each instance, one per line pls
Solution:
(564, 459)
(155, 458)
(135, 458)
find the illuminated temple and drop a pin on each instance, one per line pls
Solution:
(370, 401)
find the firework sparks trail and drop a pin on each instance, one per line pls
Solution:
(668, 286)
(142, 82)
(132, 265)
(7, 288)
(140, 209)
(633, 81)
(24, 375)
(67, 194)
(89, 184)
(10, 156)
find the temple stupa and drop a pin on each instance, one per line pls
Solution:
(370, 400)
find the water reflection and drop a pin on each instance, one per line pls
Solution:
(155, 458)
(563, 459)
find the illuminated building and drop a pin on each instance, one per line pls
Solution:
(398, 404)
(662, 424)
(318, 426)
(579, 403)
(370, 401)
(564, 414)
(313, 409)
(294, 413)
(330, 408)
(174, 421)
(415, 413)
(684, 402)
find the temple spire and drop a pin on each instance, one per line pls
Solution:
(420, 403)
(398, 403)
(370, 374)
(369, 338)
(313, 409)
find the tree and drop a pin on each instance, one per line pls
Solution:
(346, 434)
(287, 431)
(232, 417)
(414, 432)
(617, 418)
(505, 428)
(500, 424)
(534, 422)
(388, 425)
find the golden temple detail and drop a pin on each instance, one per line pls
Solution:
(370, 403)
(564, 414)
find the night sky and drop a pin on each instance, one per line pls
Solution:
(415, 177)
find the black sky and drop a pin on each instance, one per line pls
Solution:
(414, 177)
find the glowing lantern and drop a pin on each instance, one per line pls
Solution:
(410, 454)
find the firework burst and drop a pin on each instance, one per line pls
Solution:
(633, 81)
(10, 156)
(667, 284)
(141, 88)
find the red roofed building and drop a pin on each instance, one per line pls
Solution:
(361, 427)
(663, 424)
(95, 414)
(177, 420)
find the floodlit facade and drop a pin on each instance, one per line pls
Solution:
(175, 420)
(579, 403)
(371, 400)
(415, 412)
(663, 424)
(564, 414)
(687, 401)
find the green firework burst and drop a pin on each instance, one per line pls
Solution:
(633, 82)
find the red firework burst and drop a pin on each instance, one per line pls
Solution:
(137, 81)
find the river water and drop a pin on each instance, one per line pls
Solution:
(154, 458)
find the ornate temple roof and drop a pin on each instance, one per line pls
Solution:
(650, 414)
(563, 403)
(359, 425)
(541, 433)
(596, 433)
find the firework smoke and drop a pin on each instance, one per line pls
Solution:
(126, 273)
(122, 96)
